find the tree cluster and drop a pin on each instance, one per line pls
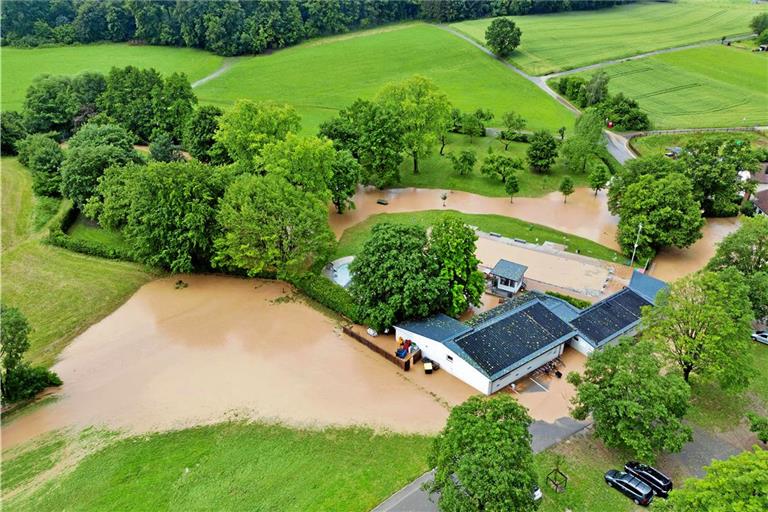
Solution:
(625, 113)
(239, 26)
(402, 272)
(19, 380)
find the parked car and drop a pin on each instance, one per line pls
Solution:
(630, 486)
(537, 494)
(659, 482)
(761, 336)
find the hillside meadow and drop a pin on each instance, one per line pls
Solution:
(322, 76)
(713, 86)
(568, 40)
(21, 65)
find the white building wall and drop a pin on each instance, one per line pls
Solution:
(512, 289)
(522, 371)
(447, 359)
(580, 345)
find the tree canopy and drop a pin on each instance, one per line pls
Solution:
(423, 111)
(483, 458)
(542, 151)
(199, 132)
(268, 225)
(305, 162)
(44, 157)
(502, 36)
(249, 126)
(702, 326)
(633, 404)
(566, 187)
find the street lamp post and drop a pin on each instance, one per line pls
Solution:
(637, 241)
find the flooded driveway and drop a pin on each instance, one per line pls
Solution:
(227, 347)
(584, 215)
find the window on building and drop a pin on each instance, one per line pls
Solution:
(450, 358)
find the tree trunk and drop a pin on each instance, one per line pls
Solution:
(506, 145)
(415, 162)
(511, 199)
(442, 142)
(686, 373)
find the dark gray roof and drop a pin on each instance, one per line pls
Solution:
(438, 327)
(611, 317)
(506, 342)
(505, 307)
(646, 286)
(509, 270)
(565, 311)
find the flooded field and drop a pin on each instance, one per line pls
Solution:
(227, 347)
(584, 215)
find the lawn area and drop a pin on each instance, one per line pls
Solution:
(714, 86)
(353, 238)
(560, 41)
(437, 172)
(20, 65)
(657, 144)
(232, 466)
(322, 76)
(85, 229)
(715, 409)
(60, 292)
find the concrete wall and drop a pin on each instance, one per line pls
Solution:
(580, 345)
(521, 371)
(447, 359)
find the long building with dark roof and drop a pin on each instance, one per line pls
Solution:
(509, 342)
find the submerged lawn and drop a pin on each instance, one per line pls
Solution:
(352, 240)
(237, 466)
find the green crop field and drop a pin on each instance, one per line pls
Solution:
(657, 144)
(714, 86)
(60, 292)
(556, 42)
(20, 65)
(322, 76)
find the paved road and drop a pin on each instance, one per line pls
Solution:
(226, 64)
(412, 498)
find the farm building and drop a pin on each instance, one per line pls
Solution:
(507, 277)
(761, 202)
(511, 341)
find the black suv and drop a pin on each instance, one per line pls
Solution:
(659, 482)
(630, 486)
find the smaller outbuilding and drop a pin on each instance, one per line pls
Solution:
(761, 202)
(508, 277)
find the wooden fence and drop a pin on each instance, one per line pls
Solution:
(405, 364)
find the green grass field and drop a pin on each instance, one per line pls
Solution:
(556, 42)
(352, 239)
(230, 466)
(21, 65)
(60, 292)
(84, 229)
(322, 76)
(657, 144)
(714, 86)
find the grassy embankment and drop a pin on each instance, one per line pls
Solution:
(714, 86)
(561, 41)
(353, 238)
(60, 292)
(658, 144)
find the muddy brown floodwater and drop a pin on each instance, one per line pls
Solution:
(223, 347)
(584, 215)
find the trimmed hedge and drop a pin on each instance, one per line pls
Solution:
(573, 301)
(327, 293)
(58, 236)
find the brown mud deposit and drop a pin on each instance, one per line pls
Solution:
(225, 347)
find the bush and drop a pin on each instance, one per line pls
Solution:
(26, 381)
(58, 236)
(573, 301)
(327, 293)
(13, 131)
(44, 158)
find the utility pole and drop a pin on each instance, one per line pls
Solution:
(637, 241)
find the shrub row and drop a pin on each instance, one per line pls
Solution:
(58, 236)
(327, 293)
(573, 301)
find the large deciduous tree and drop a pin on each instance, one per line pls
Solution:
(394, 278)
(586, 144)
(502, 36)
(13, 131)
(250, 125)
(738, 483)
(50, 104)
(632, 171)
(345, 175)
(423, 111)
(268, 225)
(483, 458)
(374, 135)
(665, 207)
(199, 131)
(702, 326)
(452, 245)
(43, 156)
(633, 404)
(542, 151)
(305, 162)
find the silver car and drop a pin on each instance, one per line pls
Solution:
(761, 336)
